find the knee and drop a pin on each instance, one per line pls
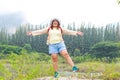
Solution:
(66, 55)
(54, 58)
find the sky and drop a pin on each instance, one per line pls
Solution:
(98, 12)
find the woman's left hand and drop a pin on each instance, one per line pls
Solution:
(80, 33)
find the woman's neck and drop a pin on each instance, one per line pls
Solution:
(55, 27)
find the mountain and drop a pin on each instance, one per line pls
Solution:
(11, 21)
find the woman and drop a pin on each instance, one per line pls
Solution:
(56, 43)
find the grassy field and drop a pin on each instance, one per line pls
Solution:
(36, 65)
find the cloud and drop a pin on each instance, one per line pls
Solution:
(68, 11)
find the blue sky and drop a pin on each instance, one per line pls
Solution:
(98, 12)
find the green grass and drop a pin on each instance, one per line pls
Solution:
(36, 65)
(25, 66)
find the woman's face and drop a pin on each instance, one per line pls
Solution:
(55, 24)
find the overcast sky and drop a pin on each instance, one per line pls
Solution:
(98, 12)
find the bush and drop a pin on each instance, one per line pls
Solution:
(106, 49)
(28, 47)
(7, 49)
(77, 52)
(83, 58)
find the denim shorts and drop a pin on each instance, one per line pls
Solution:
(56, 48)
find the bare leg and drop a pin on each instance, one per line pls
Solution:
(55, 61)
(65, 54)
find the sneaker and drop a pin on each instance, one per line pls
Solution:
(75, 69)
(56, 74)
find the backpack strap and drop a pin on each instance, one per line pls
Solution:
(48, 29)
(61, 29)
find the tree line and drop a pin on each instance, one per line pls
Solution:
(82, 45)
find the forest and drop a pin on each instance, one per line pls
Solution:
(81, 44)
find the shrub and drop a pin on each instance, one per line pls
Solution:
(83, 58)
(7, 49)
(77, 52)
(106, 49)
(28, 47)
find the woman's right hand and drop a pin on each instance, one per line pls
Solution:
(29, 33)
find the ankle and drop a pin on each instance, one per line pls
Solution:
(73, 66)
(56, 71)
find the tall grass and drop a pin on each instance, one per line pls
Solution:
(34, 65)
(25, 66)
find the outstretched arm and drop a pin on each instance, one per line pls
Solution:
(38, 32)
(71, 32)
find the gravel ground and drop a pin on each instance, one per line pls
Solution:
(63, 78)
(71, 76)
